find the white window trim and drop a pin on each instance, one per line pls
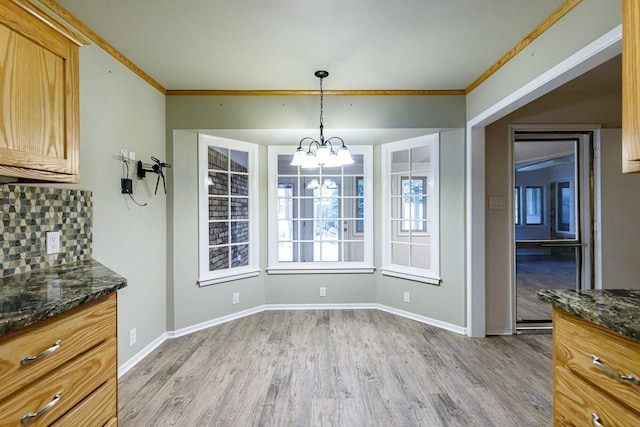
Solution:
(276, 267)
(206, 277)
(431, 276)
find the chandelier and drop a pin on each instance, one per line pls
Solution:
(321, 153)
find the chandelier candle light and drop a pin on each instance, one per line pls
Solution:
(324, 154)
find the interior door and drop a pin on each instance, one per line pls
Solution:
(552, 219)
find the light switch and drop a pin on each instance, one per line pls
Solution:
(497, 203)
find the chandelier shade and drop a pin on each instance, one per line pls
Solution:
(321, 153)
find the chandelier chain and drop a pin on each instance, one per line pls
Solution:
(321, 112)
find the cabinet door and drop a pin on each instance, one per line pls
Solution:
(630, 86)
(39, 106)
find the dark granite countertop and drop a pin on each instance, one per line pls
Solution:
(28, 297)
(615, 309)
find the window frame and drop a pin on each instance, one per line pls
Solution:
(287, 267)
(517, 205)
(431, 275)
(539, 204)
(205, 276)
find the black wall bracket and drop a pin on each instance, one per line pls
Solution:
(156, 168)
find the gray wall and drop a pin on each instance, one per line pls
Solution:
(620, 213)
(120, 110)
(594, 98)
(585, 23)
(222, 115)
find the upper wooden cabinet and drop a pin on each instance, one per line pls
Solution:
(39, 87)
(630, 86)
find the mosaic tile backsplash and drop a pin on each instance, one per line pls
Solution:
(29, 212)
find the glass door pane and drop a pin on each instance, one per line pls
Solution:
(548, 246)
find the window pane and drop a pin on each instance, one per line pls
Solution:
(284, 165)
(360, 205)
(239, 161)
(400, 161)
(354, 251)
(239, 208)
(326, 252)
(534, 205)
(420, 158)
(400, 254)
(218, 183)
(516, 205)
(239, 255)
(306, 252)
(285, 251)
(352, 230)
(240, 185)
(218, 258)
(357, 168)
(420, 257)
(218, 158)
(239, 232)
(218, 233)
(565, 196)
(218, 208)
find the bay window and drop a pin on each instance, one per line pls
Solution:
(228, 228)
(320, 218)
(410, 214)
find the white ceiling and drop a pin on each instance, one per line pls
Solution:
(279, 44)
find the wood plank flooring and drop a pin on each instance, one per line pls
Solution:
(339, 368)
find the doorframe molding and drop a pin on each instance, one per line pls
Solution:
(602, 49)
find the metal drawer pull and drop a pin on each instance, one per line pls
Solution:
(596, 420)
(609, 370)
(29, 359)
(28, 417)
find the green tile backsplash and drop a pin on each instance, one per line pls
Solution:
(29, 212)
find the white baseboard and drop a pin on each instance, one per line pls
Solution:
(423, 319)
(355, 306)
(213, 322)
(126, 367)
(499, 332)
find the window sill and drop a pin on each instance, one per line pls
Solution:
(314, 268)
(228, 278)
(432, 280)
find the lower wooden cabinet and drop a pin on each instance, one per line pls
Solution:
(586, 390)
(62, 371)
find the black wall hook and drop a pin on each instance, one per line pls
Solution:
(156, 168)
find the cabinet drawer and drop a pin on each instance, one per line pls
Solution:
(576, 401)
(78, 330)
(96, 410)
(74, 381)
(577, 341)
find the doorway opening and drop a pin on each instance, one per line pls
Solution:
(554, 172)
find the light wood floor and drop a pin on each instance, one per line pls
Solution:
(339, 368)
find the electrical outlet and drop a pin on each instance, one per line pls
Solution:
(236, 298)
(132, 337)
(407, 297)
(323, 291)
(132, 156)
(124, 155)
(53, 242)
